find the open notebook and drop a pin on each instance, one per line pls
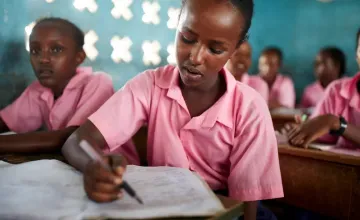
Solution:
(49, 189)
(334, 149)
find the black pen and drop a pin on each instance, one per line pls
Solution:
(96, 157)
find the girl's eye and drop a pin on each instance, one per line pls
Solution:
(56, 50)
(186, 40)
(215, 51)
(34, 51)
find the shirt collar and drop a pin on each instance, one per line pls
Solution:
(220, 112)
(77, 81)
(349, 90)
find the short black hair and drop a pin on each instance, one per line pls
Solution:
(338, 58)
(275, 50)
(76, 32)
(246, 7)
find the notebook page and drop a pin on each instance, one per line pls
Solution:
(50, 189)
(166, 191)
(45, 189)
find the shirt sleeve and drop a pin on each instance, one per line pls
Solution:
(287, 96)
(95, 93)
(264, 91)
(125, 112)
(254, 170)
(329, 105)
(305, 102)
(24, 114)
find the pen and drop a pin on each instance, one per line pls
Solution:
(96, 157)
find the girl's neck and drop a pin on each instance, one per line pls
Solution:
(59, 89)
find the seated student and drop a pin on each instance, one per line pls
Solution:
(330, 65)
(281, 88)
(239, 64)
(336, 118)
(198, 116)
(62, 98)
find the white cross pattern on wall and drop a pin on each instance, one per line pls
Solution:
(89, 4)
(151, 52)
(173, 14)
(121, 9)
(171, 51)
(121, 49)
(151, 12)
(89, 46)
(28, 30)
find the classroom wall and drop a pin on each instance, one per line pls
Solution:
(299, 27)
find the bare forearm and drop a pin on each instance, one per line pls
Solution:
(352, 133)
(250, 209)
(34, 141)
(74, 154)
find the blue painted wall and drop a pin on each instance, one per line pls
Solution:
(299, 27)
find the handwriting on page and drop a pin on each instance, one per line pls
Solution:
(166, 191)
(50, 189)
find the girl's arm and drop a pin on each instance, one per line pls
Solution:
(250, 209)
(42, 141)
(352, 133)
(73, 153)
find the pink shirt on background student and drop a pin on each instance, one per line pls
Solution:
(312, 95)
(341, 98)
(231, 145)
(257, 83)
(283, 91)
(36, 106)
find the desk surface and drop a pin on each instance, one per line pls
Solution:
(319, 155)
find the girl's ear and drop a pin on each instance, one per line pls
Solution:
(80, 57)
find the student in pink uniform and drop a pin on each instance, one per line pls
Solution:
(337, 117)
(240, 63)
(198, 116)
(62, 98)
(330, 65)
(281, 88)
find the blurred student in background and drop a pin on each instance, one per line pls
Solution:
(330, 65)
(281, 88)
(239, 65)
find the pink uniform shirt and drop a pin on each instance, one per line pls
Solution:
(257, 83)
(312, 95)
(36, 106)
(283, 91)
(231, 145)
(341, 98)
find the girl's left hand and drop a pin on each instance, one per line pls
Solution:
(311, 130)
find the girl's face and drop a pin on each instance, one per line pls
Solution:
(207, 35)
(54, 55)
(240, 61)
(326, 70)
(269, 65)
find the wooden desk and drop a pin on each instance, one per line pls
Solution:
(322, 182)
(21, 158)
(280, 120)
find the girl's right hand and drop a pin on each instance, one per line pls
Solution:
(102, 185)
